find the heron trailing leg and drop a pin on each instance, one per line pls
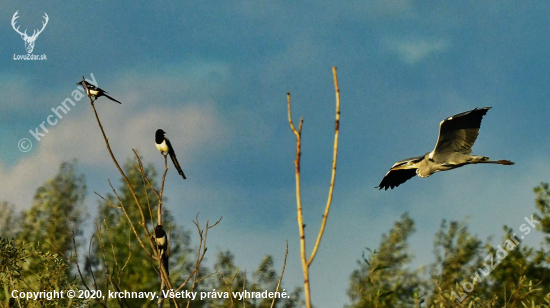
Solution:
(485, 160)
(500, 162)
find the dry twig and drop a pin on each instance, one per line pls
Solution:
(164, 275)
(281, 278)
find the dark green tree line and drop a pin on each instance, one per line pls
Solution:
(467, 272)
(37, 248)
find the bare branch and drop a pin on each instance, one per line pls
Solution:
(134, 195)
(143, 176)
(130, 221)
(129, 249)
(148, 182)
(201, 252)
(298, 133)
(112, 246)
(136, 199)
(98, 300)
(108, 201)
(303, 258)
(121, 301)
(333, 176)
(89, 257)
(281, 278)
(162, 190)
(229, 285)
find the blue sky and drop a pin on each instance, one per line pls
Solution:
(214, 76)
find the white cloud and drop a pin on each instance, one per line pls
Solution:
(195, 128)
(192, 130)
(412, 51)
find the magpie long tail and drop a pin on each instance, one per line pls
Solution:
(111, 98)
(165, 263)
(177, 165)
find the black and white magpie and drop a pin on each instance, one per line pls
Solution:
(96, 92)
(162, 245)
(164, 146)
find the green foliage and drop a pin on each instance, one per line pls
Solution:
(9, 222)
(228, 278)
(383, 279)
(466, 272)
(123, 263)
(16, 275)
(524, 293)
(38, 256)
(56, 211)
(457, 254)
(12, 259)
(542, 203)
(36, 253)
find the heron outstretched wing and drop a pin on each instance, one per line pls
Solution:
(459, 132)
(399, 174)
(395, 178)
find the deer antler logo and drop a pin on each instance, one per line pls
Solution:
(29, 40)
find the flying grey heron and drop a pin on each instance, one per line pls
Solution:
(457, 135)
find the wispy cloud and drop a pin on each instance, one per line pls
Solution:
(194, 124)
(412, 51)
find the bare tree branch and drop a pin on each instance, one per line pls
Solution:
(130, 221)
(303, 258)
(333, 176)
(281, 278)
(306, 262)
(98, 300)
(121, 301)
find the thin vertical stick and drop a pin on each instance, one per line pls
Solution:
(335, 154)
(281, 278)
(305, 266)
(305, 261)
(159, 214)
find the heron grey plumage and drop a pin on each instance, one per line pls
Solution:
(457, 135)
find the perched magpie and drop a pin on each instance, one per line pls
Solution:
(164, 146)
(96, 92)
(162, 245)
